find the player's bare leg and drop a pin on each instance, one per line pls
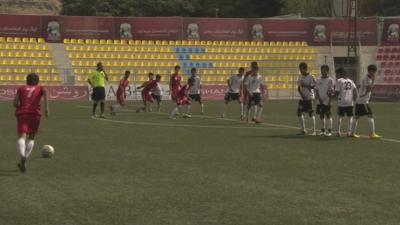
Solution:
(95, 103)
(102, 109)
(224, 109)
(202, 107)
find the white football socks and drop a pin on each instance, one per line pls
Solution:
(350, 124)
(323, 121)
(202, 108)
(371, 122)
(241, 109)
(188, 109)
(255, 112)
(313, 123)
(330, 123)
(259, 114)
(302, 123)
(339, 124)
(174, 111)
(21, 146)
(29, 147)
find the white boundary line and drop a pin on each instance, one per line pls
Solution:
(277, 126)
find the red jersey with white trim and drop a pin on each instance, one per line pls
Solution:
(176, 82)
(150, 86)
(29, 97)
(123, 84)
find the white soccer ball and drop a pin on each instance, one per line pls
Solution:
(47, 151)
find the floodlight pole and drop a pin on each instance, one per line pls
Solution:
(352, 14)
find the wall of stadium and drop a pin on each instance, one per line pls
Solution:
(313, 31)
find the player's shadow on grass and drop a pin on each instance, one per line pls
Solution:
(9, 172)
(295, 137)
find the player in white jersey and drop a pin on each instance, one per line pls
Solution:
(234, 84)
(362, 103)
(323, 92)
(346, 91)
(256, 91)
(195, 90)
(157, 93)
(306, 84)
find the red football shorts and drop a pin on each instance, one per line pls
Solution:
(147, 97)
(28, 124)
(183, 101)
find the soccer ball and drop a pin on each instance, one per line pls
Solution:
(47, 151)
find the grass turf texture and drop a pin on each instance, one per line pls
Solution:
(208, 171)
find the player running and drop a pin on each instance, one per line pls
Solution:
(182, 99)
(157, 93)
(28, 113)
(362, 103)
(324, 91)
(96, 80)
(255, 90)
(146, 96)
(121, 93)
(346, 91)
(306, 84)
(234, 83)
(195, 90)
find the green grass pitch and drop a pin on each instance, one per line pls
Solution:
(143, 169)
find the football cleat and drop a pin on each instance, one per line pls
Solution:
(353, 135)
(375, 136)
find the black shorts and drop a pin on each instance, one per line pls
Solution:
(305, 106)
(232, 97)
(195, 97)
(99, 94)
(254, 99)
(323, 109)
(346, 110)
(363, 110)
(158, 98)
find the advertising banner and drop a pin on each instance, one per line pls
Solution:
(20, 26)
(149, 28)
(214, 29)
(59, 93)
(391, 32)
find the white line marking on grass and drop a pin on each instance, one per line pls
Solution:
(183, 125)
(282, 126)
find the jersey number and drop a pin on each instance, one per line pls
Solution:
(30, 91)
(347, 86)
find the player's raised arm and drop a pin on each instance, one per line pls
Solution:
(46, 103)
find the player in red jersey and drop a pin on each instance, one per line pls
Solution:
(244, 93)
(146, 94)
(28, 113)
(121, 93)
(182, 99)
(175, 83)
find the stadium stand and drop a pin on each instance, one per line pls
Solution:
(216, 60)
(19, 56)
(388, 59)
